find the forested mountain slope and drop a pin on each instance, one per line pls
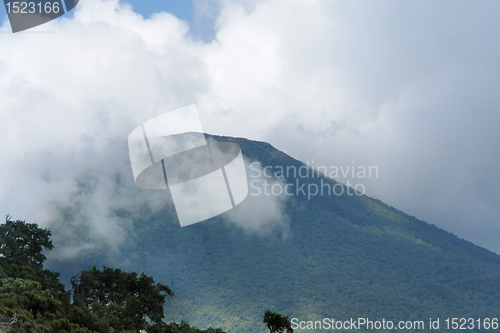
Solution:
(332, 256)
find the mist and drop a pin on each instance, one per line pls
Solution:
(408, 87)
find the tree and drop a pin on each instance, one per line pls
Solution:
(21, 243)
(183, 327)
(277, 323)
(21, 254)
(125, 301)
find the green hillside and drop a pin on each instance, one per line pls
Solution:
(339, 257)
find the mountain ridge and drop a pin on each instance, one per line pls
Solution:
(334, 257)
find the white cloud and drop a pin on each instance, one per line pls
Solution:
(262, 211)
(408, 86)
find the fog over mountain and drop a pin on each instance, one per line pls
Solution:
(307, 253)
(409, 87)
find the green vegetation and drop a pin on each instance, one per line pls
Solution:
(277, 323)
(21, 255)
(33, 300)
(123, 300)
(336, 257)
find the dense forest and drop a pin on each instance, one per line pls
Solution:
(32, 299)
(336, 257)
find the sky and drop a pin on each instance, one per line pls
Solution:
(408, 87)
(182, 9)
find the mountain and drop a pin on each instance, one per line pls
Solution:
(334, 256)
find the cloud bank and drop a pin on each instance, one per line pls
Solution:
(410, 87)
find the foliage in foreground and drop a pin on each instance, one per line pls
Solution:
(33, 300)
(124, 300)
(277, 323)
(183, 327)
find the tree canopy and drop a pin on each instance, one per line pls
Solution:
(22, 247)
(277, 323)
(22, 243)
(33, 300)
(124, 300)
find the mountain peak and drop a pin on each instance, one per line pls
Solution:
(323, 256)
